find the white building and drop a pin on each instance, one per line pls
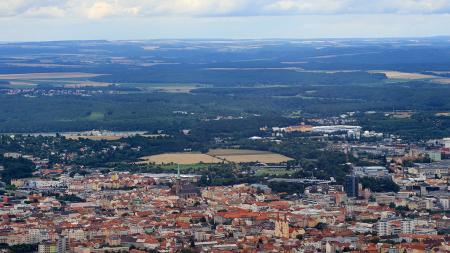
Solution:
(408, 226)
(371, 171)
(445, 203)
(384, 228)
(446, 142)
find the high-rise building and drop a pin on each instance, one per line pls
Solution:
(407, 226)
(47, 247)
(446, 142)
(384, 228)
(62, 244)
(351, 186)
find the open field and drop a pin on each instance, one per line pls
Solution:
(263, 158)
(94, 138)
(274, 172)
(443, 114)
(176, 89)
(174, 167)
(83, 84)
(247, 156)
(442, 80)
(441, 72)
(403, 115)
(43, 65)
(226, 152)
(94, 116)
(22, 84)
(403, 75)
(180, 158)
(62, 75)
(413, 76)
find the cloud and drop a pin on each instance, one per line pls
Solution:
(99, 9)
(358, 7)
(306, 7)
(411, 6)
(45, 12)
(11, 7)
(195, 7)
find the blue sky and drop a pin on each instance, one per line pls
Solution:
(25, 20)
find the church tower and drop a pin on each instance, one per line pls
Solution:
(282, 227)
(177, 185)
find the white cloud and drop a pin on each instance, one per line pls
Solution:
(193, 7)
(411, 6)
(45, 12)
(98, 9)
(358, 6)
(307, 7)
(11, 7)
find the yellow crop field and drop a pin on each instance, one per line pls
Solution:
(403, 75)
(180, 158)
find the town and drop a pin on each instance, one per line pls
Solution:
(394, 198)
(224, 126)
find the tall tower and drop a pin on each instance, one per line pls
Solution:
(351, 186)
(178, 181)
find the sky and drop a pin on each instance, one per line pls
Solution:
(39, 20)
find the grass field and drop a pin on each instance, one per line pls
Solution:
(174, 167)
(274, 172)
(95, 116)
(248, 156)
(180, 158)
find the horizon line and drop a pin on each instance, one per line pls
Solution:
(233, 39)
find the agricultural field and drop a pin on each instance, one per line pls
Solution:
(101, 136)
(403, 75)
(215, 156)
(83, 84)
(180, 158)
(248, 156)
(176, 89)
(443, 114)
(403, 115)
(37, 76)
(94, 138)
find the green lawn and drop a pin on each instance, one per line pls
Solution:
(185, 166)
(96, 116)
(274, 172)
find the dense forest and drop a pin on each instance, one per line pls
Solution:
(252, 108)
(233, 89)
(242, 78)
(15, 168)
